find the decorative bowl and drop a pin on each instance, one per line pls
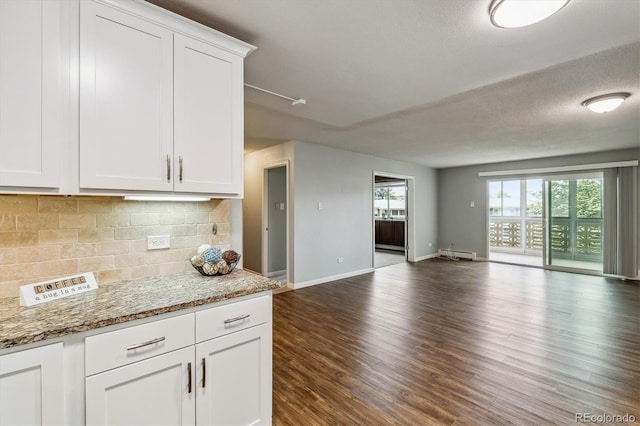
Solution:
(220, 267)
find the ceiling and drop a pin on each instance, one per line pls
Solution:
(432, 81)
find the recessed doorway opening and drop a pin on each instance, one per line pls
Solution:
(275, 219)
(390, 219)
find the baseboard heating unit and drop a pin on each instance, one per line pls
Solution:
(458, 254)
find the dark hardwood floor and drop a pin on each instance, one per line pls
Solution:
(456, 343)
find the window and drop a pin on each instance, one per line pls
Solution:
(559, 198)
(515, 208)
(534, 197)
(389, 200)
(504, 198)
(589, 198)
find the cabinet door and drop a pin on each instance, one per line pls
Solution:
(126, 105)
(398, 233)
(156, 391)
(386, 232)
(208, 118)
(30, 93)
(234, 378)
(31, 386)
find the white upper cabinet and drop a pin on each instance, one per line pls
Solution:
(126, 110)
(161, 102)
(31, 93)
(208, 117)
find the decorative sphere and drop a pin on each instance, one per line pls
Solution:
(230, 257)
(197, 260)
(203, 247)
(223, 267)
(208, 269)
(212, 255)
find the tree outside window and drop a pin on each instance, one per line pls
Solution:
(389, 200)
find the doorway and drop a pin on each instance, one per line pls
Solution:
(390, 220)
(275, 221)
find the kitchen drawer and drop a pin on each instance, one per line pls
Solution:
(233, 317)
(116, 348)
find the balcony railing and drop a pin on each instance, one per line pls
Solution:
(507, 233)
(579, 239)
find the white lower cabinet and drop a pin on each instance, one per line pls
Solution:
(156, 391)
(220, 376)
(31, 387)
(234, 383)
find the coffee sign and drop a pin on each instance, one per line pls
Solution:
(34, 294)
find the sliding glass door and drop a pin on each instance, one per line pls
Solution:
(574, 223)
(555, 222)
(515, 221)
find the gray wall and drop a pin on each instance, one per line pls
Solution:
(343, 182)
(254, 165)
(277, 219)
(466, 226)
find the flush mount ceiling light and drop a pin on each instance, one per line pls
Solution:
(520, 13)
(606, 103)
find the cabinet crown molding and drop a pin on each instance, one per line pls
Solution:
(180, 24)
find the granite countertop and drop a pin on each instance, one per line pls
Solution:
(121, 302)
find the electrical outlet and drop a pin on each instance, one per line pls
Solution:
(340, 259)
(157, 242)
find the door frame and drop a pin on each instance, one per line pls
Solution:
(265, 216)
(409, 225)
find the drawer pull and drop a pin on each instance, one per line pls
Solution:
(189, 373)
(204, 371)
(150, 342)
(240, 318)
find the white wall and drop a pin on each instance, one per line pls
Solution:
(343, 182)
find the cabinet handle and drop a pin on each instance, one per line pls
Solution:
(189, 373)
(240, 318)
(204, 371)
(150, 342)
(168, 169)
(180, 172)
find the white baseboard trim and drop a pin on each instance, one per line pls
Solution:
(323, 280)
(276, 273)
(428, 256)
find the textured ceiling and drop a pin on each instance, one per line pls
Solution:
(432, 81)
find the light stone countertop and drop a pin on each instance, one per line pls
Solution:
(121, 302)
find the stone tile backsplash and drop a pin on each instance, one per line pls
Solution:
(45, 237)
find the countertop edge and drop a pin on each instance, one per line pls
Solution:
(63, 329)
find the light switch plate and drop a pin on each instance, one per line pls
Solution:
(157, 242)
